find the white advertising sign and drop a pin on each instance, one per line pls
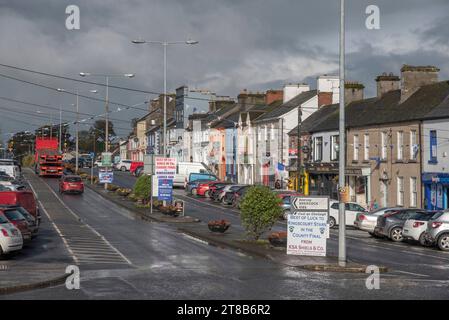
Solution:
(165, 168)
(307, 226)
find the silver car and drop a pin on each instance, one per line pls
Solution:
(438, 230)
(367, 221)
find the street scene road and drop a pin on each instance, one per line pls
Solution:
(224, 150)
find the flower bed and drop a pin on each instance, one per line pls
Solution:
(278, 239)
(220, 226)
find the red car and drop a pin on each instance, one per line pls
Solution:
(134, 166)
(18, 220)
(71, 184)
(204, 188)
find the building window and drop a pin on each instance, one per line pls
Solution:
(413, 192)
(400, 201)
(318, 148)
(400, 145)
(413, 145)
(356, 148)
(366, 150)
(384, 146)
(335, 148)
(433, 146)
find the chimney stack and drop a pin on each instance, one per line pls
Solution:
(386, 83)
(414, 77)
(292, 90)
(353, 92)
(274, 95)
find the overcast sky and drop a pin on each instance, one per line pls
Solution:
(252, 44)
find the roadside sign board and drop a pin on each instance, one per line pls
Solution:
(307, 226)
(165, 168)
(105, 176)
(155, 185)
(106, 159)
(165, 190)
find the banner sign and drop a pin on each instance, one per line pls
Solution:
(165, 190)
(106, 176)
(307, 226)
(165, 168)
(106, 159)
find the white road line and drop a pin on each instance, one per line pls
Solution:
(412, 273)
(92, 229)
(72, 255)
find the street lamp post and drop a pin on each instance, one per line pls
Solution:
(342, 156)
(165, 44)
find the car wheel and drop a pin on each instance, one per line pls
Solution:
(123, 169)
(423, 241)
(396, 234)
(194, 191)
(443, 242)
(206, 194)
(223, 200)
(332, 222)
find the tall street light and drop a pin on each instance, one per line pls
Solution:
(107, 76)
(76, 126)
(342, 147)
(165, 44)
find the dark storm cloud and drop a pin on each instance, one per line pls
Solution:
(254, 44)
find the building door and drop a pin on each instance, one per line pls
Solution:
(383, 194)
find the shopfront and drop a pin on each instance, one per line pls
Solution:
(436, 189)
(323, 179)
(358, 181)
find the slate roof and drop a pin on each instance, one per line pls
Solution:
(314, 120)
(275, 113)
(429, 102)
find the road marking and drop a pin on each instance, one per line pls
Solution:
(60, 234)
(91, 228)
(412, 273)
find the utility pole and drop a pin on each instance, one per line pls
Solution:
(298, 162)
(60, 129)
(342, 144)
(106, 146)
(77, 132)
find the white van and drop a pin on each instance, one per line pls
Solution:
(184, 169)
(10, 168)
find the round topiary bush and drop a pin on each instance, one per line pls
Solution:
(28, 161)
(142, 188)
(260, 209)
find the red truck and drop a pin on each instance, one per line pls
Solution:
(48, 160)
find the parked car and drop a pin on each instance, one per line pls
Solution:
(139, 171)
(123, 165)
(216, 190)
(10, 167)
(233, 196)
(238, 196)
(390, 224)
(367, 221)
(192, 186)
(24, 199)
(10, 237)
(229, 188)
(19, 221)
(71, 184)
(134, 165)
(32, 222)
(97, 163)
(204, 187)
(351, 211)
(438, 230)
(286, 205)
(415, 228)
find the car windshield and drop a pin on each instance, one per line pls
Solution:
(26, 214)
(437, 215)
(423, 216)
(3, 219)
(73, 179)
(14, 215)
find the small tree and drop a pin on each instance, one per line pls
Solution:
(142, 188)
(260, 209)
(28, 161)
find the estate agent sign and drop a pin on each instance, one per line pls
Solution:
(307, 226)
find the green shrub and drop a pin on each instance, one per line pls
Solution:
(260, 209)
(28, 161)
(142, 188)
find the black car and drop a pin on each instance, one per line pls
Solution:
(216, 192)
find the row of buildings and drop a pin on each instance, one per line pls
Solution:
(397, 143)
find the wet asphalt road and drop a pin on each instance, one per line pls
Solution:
(165, 264)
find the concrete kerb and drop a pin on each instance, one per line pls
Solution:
(261, 252)
(143, 216)
(35, 285)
